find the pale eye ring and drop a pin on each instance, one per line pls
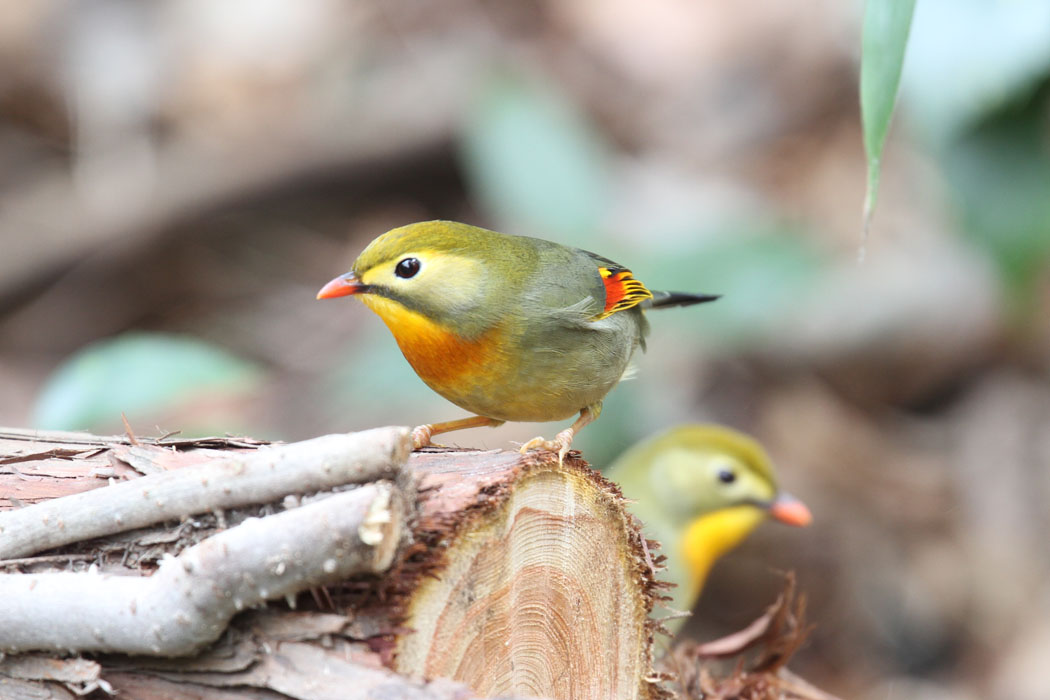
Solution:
(407, 267)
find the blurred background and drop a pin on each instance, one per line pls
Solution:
(178, 179)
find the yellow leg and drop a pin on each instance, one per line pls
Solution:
(563, 440)
(422, 434)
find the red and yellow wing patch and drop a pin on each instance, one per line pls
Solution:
(622, 291)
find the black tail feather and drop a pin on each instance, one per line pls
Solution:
(662, 300)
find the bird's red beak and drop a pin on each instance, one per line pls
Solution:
(342, 286)
(790, 511)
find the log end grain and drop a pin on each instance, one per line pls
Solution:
(541, 584)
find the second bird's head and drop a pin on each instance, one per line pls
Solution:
(703, 489)
(698, 469)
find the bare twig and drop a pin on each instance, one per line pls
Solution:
(127, 429)
(189, 601)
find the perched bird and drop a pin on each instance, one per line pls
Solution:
(507, 327)
(700, 490)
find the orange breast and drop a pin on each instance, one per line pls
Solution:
(449, 364)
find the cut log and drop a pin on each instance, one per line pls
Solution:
(538, 581)
(516, 575)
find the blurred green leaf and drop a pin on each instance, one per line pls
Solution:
(886, 27)
(133, 373)
(969, 58)
(1001, 175)
(534, 161)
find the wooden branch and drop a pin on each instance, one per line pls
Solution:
(189, 601)
(264, 476)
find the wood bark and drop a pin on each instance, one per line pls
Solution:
(266, 475)
(440, 574)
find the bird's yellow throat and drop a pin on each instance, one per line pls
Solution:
(710, 536)
(438, 355)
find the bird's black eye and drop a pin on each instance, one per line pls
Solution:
(726, 476)
(407, 268)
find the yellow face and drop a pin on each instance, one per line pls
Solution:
(703, 489)
(450, 294)
(693, 481)
(461, 277)
(424, 279)
(429, 300)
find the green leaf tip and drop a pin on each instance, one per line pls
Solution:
(884, 41)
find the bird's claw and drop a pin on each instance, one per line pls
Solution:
(559, 445)
(537, 443)
(422, 436)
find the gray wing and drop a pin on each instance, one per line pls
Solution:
(570, 288)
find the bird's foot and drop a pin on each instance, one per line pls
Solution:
(559, 445)
(422, 436)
